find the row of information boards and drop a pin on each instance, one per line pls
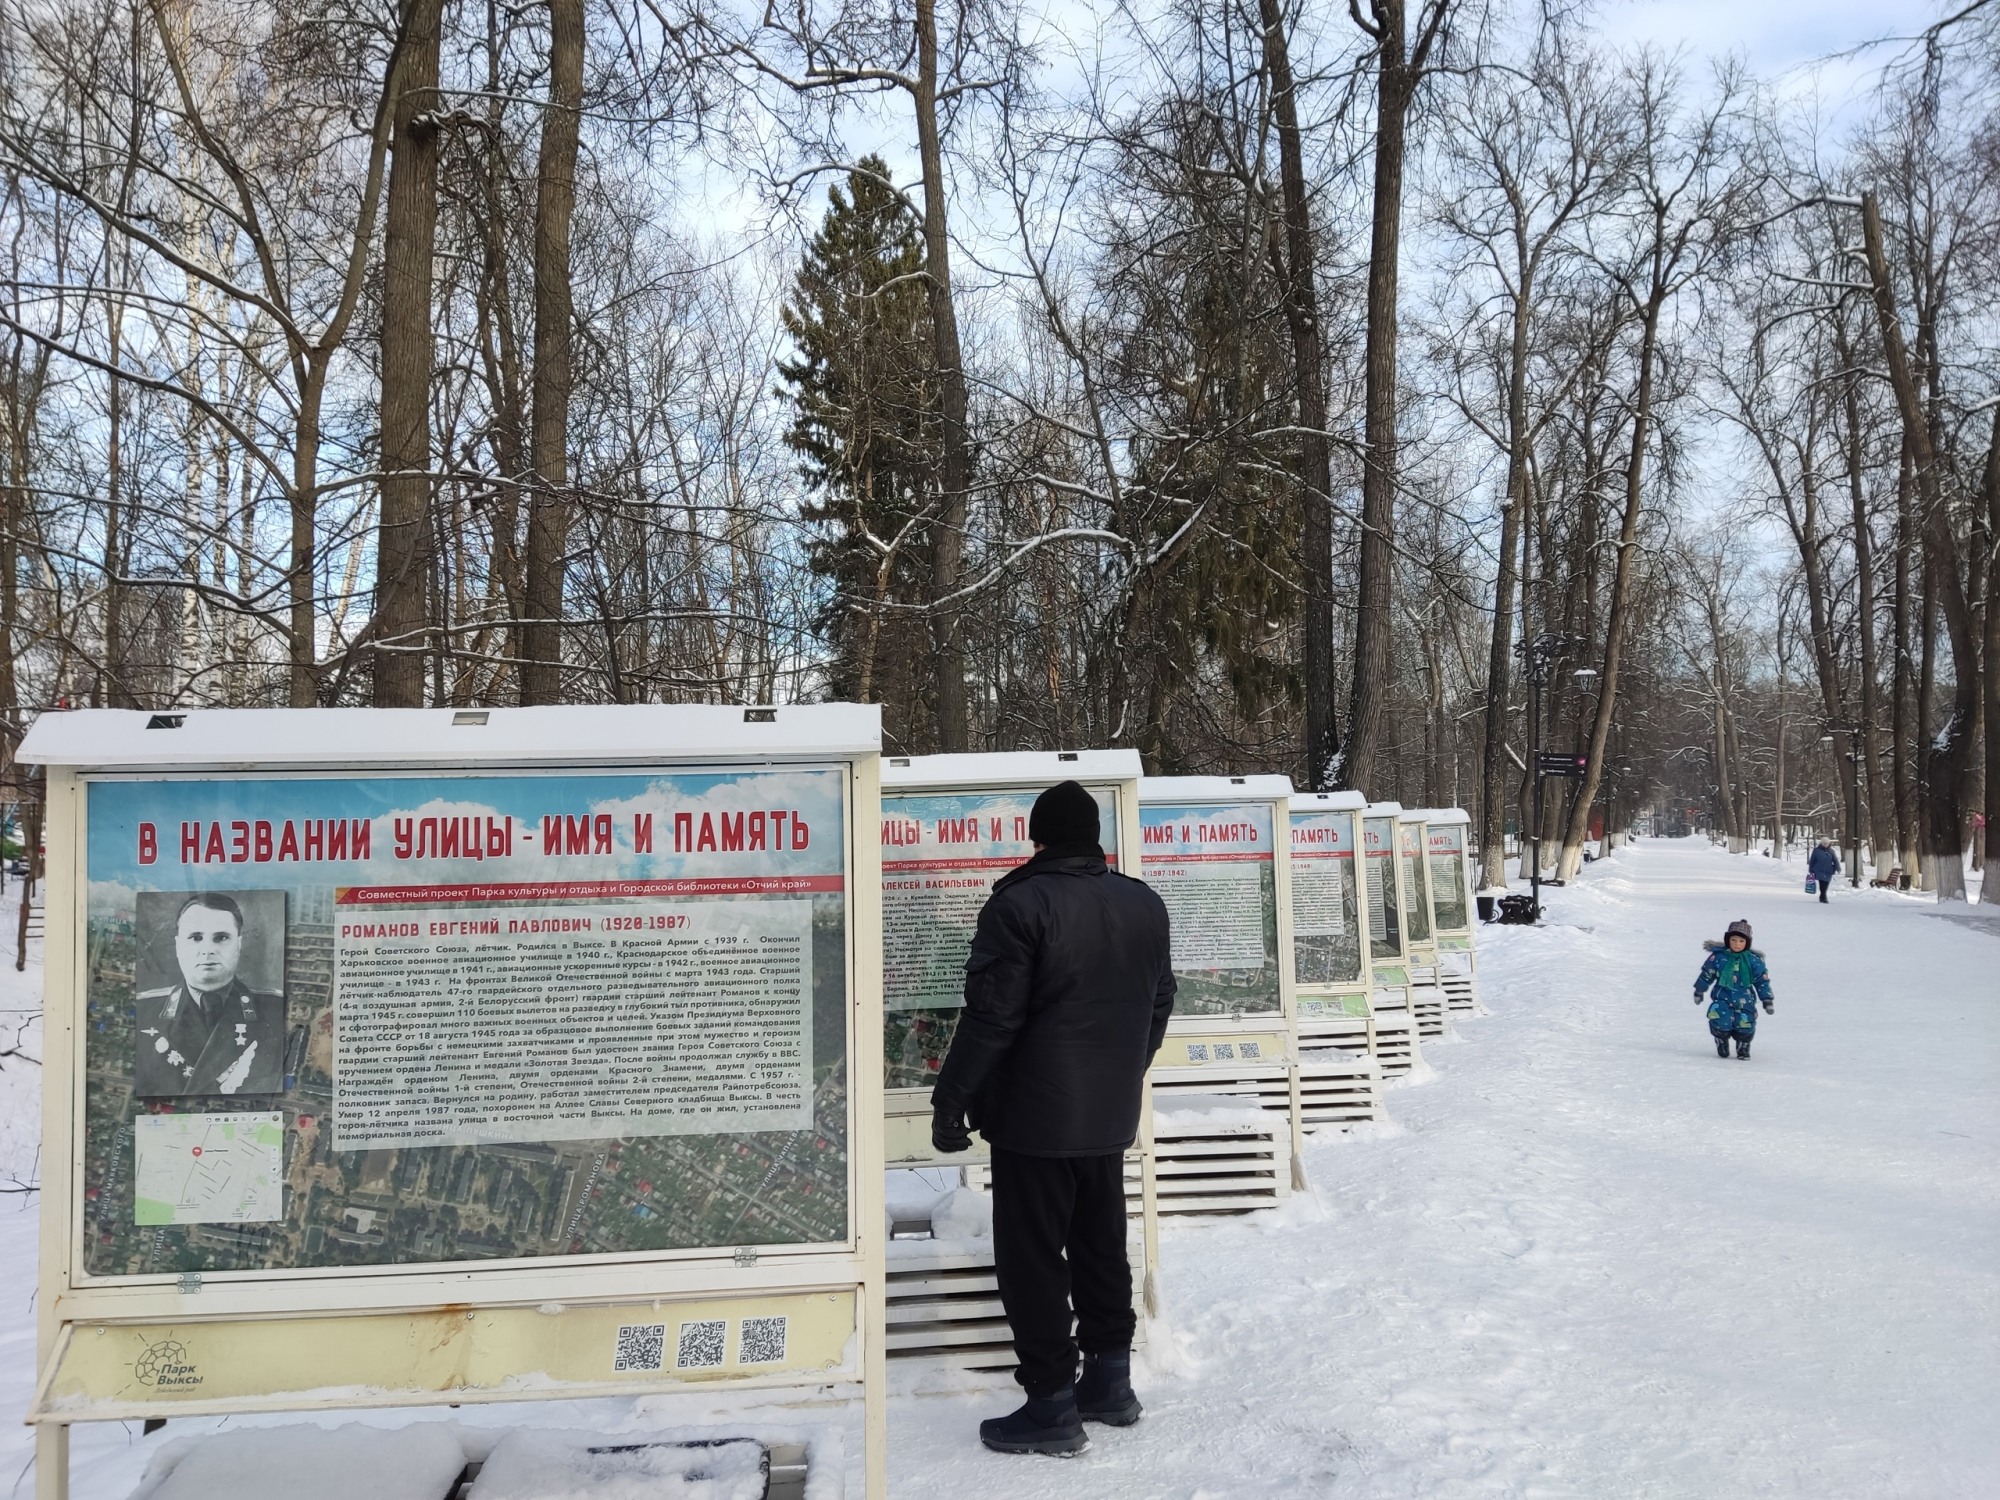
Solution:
(418, 1056)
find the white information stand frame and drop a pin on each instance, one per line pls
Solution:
(1427, 995)
(1276, 1037)
(393, 1320)
(1388, 975)
(1340, 1018)
(907, 1111)
(1450, 830)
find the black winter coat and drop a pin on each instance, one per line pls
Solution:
(1067, 993)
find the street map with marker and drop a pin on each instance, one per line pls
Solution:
(208, 1169)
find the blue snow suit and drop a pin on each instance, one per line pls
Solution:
(1823, 864)
(1739, 982)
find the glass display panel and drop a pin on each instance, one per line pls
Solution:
(401, 1020)
(942, 852)
(1385, 920)
(1214, 866)
(1326, 916)
(1416, 887)
(1446, 844)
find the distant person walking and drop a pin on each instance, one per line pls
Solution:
(1067, 993)
(1735, 975)
(1823, 864)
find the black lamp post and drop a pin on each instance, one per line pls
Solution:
(1538, 655)
(1853, 732)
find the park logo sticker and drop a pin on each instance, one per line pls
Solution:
(166, 1366)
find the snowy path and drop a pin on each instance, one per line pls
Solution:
(1592, 1260)
(1601, 1262)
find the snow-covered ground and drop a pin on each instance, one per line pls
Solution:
(1589, 1259)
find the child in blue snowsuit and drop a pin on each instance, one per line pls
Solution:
(1740, 982)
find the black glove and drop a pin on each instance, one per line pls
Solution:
(948, 1132)
(1698, 997)
(1770, 1008)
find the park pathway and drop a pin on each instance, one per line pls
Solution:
(1594, 1260)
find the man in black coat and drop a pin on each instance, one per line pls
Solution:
(1067, 993)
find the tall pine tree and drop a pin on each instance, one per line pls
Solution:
(866, 428)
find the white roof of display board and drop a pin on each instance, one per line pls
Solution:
(1328, 801)
(1212, 788)
(1384, 809)
(583, 734)
(1414, 815)
(1444, 815)
(1042, 768)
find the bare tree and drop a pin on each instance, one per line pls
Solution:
(1403, 44)
(1687, 193)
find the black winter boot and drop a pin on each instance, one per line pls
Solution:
(1743, 1048)
(1044, 1425)
(1722, 1045)
(1104, 1392)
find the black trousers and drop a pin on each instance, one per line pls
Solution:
(1058, 1233)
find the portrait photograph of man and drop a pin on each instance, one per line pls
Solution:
(210, 1017)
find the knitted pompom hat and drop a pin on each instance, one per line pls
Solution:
(1739, 928)
(1064, 814)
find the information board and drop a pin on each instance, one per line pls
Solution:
(1416, 886)
(1385, 918)
(405, 1019)
(1445, 845)
(1326, 925)
(942, 852)
(1214, 866)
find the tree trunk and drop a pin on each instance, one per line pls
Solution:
(1299, 288)
(1778, 850)
(1945, 763)
(1396, 76)
(301, 577)
(1500, 653)
(1881, 817)
(549, 500)
(409, 230)
(1614, 629)
(117, 689)
(1926, 713)
(14, 503)
(1902, 730)
(954, 729)
(500, 352)
(1989, 889)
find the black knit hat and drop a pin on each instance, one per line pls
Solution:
(1064, 814)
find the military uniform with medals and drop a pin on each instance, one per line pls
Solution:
(226, 1041)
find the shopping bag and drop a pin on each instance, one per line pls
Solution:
(1812, 887)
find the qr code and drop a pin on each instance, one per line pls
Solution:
(702, 1345)
(1197, 1051)
(641, 1346)
(1224, 1052)
(1250, 1049)
(762, 1342)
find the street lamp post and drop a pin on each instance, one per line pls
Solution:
(1538, 655)
(1853, 732)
